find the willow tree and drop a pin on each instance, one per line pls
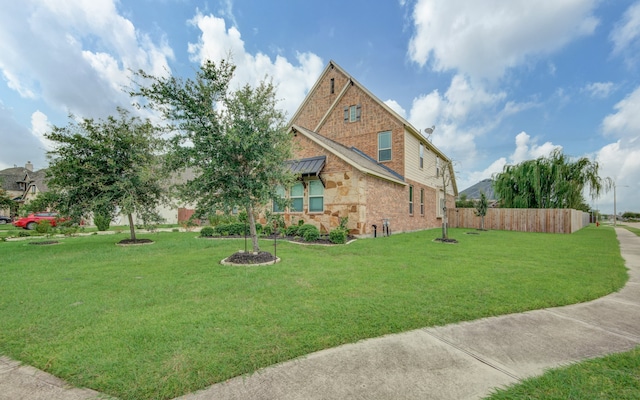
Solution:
(107, 166)
(234, 141)
(556, 181)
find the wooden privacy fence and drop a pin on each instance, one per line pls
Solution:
(550, 220)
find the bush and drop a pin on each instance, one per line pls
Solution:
(338, 236)
(23, 234)
(43, 227)
(102, 221)
(207, 231)
(292, 230)
(267, 230)
(235, 228)
(309, 232)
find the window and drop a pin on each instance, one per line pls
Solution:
(352, 113)
(296, 194)
(384, 146)
(441, 204)
(411, 200)
(33, 189)
(316, 196)
(437, 167)
(421, 155)
(280, 193)
(421, 201)
(333, 85)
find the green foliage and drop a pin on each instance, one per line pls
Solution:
(344, 221)
(216, 219)
(232, 229)
(102, 221)
(464, 202)
(338, 236)
(481, 208)
(24, 233)
(236, 142)
(631, 215)
(267, 230)
(300, 222)
(549, 182)
(309, 232)
(292, 230)
(107, 165)
(207, 231)
(44, 227)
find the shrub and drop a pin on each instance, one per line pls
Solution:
(23, 234)
(207, 231)
(43, 227)
(292, 230)
(102, 221)
(267, 230)
(235, 228)
(309, 232)
(338, 236)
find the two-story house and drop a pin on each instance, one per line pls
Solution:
(358, 158)
(22, 184)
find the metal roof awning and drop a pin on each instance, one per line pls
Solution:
(307, 166)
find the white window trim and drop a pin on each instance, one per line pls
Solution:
(291, 197)
(411, 194)
(390, 148)
(309, 197)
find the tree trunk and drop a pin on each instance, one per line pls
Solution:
(132, 228)
(252, 229)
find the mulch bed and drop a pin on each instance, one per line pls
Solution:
(45, 242)
(250, 258)
(130, 242)
(448, 240)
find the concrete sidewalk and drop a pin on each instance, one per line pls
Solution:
(461, 361)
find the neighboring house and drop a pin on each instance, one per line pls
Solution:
(22, 184)
(358, 158)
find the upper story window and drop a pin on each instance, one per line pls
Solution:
(296, 194)
(384, 146)
(33, 189)
(316, 196)
(437, 167)
(421, 155)
(333, 85)
(352, 113)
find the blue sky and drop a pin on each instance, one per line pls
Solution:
(502, 81)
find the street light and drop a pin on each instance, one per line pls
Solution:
(615, 211)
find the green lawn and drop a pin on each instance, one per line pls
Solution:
(158, 321)
(613, 377)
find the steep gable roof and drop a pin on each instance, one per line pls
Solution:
(353, 82)
(351, 156)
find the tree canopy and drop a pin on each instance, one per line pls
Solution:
(234, 141)
(555, 181)
(105, 167)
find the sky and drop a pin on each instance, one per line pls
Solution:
(501, 81)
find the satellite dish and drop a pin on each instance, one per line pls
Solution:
(429, 131)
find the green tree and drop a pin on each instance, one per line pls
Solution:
(5, 200)
(465, 202)
(549, 182)
(481, 208)
(107, 166)
(235, 142)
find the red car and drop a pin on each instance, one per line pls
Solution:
(31, 221)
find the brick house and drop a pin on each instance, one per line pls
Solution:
(358, 158)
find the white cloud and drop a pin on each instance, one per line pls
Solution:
(395, 106)
(48, 51)
(527, 149)
(626, 34)
(483, 39)
(621, 160)
(217, 43)
(39, 126)
(599, 89)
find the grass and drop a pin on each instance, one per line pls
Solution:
(158, 321)
(613, 377)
